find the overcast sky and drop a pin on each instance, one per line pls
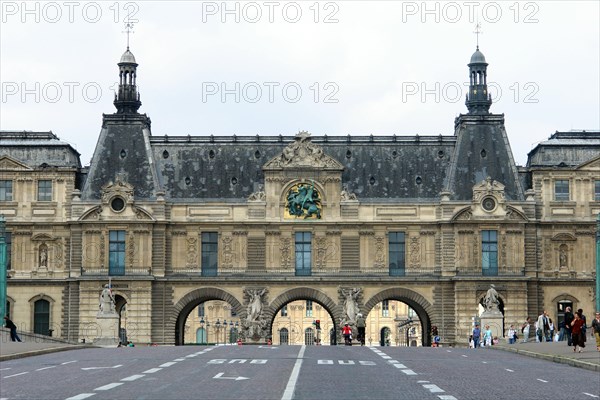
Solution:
(335, 68)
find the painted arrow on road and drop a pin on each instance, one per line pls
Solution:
(236, 378)
(88, 368)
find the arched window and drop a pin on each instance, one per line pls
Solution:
(284, 336)
(41, 317)
(309, 337)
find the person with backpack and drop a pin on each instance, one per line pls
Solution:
(347, 333)
(361, 325)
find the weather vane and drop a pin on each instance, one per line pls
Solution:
(128, 30)
(478, 32)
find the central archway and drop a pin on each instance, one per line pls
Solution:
(414, 300)
(184, 307)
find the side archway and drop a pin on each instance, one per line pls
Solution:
(414, 300)
(187, 303)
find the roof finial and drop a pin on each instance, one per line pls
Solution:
(128, 29)
(478, 32)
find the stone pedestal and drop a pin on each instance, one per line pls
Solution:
(108, 330)
(495, 320)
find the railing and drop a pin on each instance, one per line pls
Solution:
(321, 272)
(478, 271)
(126, 272)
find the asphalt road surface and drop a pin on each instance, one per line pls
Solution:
(292, 372)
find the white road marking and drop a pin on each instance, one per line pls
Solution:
(179, 359)
(291, 385)
(152, 370)
(449, 351)
(268, 347)
(408, 371)
(367, 363)
(400, 366)
(393, 361)
(89, 368)
(325, 362)
(485, 362)
(167, 364)
(235, 378)
(509, 370)
(109, 386)
(589, 394)
(386, 357)
(41, 369)
(81, 396)
(446, 397)
(422, 381)
(464, 355)
(541, 380)
(3, 369)
(10, 376)
(342, 362)
(433, 388)
(68, 362)
(132, 378)
(191, 355)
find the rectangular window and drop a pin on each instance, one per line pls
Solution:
(489, 253)
(561, 190)
(201, 310)
(210, 253)
(303, 253)
(6, 191)
(385, 308)
(44, 190)
(396, 253)
(597, 190)
(116, 253)
(309, 308)
(284, 311)
(8, 241)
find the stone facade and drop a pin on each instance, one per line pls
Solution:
(178, 221)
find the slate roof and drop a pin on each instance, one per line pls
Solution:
(565, 149)
(403, 168)
(38, 149)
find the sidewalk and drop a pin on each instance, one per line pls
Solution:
(31, 345)
(557, 352)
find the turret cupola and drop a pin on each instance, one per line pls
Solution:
(127, 100)
(478, 98)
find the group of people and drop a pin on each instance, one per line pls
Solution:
(481, 338)
(360, 326)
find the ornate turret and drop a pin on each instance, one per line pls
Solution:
(478, 98)
(127, 100)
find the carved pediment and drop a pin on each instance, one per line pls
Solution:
(42, 237)
(92, 214)
(464, 214)
(11, 164)
(488, 187)
(593, 165)
(118, 188)
(563, 237)
(304, 154)
(513, 214)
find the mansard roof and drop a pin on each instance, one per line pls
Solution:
(38, 149)
(230, 168)
(565, 150)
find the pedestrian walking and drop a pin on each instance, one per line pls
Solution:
(476, 336)
(13, 329)
(568, 319)
(596, 329)
(525, 329)
(361, 325)
(512, 335)
(487, 336)
(584, 327)
(551, 327)
(347, 333)
(543, 327)
(577, 335)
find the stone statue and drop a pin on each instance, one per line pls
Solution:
(563, 258)
(107, 301)
(255, 304)
(43, 256)
(346, 195)
(350, 303)
(491, 301)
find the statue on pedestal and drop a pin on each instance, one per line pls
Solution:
(491, 301)
(107, 301)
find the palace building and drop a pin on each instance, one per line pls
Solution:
(255, 225)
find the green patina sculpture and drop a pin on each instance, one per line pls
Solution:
(303, 200)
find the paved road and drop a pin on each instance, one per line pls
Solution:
(262, 372)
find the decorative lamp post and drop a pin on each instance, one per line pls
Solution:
(217, 328)
(3, 264)
(203, 337)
